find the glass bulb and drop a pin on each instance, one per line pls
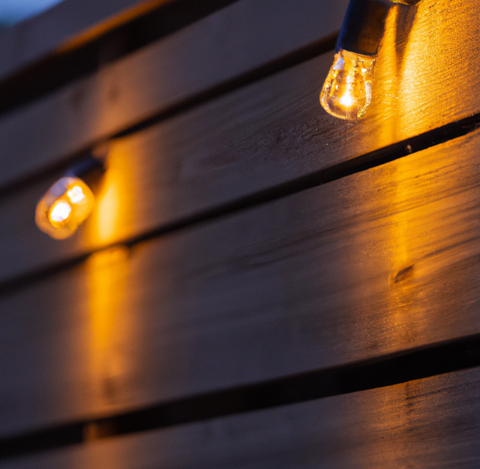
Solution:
(347, 91)
(64, 207)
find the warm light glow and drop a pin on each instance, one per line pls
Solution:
(75, 194)
(107, 278)
(111, 322)
(64, 207)
(60, 212)
(346, 100)
(116, 213)
(347, 91)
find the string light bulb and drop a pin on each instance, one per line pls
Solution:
(69, 201)
(347, 91)
(64, 207)
(348, 88)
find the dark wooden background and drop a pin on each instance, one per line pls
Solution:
(260, 284)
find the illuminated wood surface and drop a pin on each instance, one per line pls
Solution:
(222, 151)
(426, 423)
(260, 136)
(370, 264)
(195, 59)
(422, 81)
(308, 280)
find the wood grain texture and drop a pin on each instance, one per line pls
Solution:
(248, 141)
(430, 423)
(260, 136)
(221, 47)
(426, 74)
(374, 263)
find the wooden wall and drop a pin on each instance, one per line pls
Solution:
(260, 285)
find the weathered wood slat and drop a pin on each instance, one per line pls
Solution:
(127, 31)
(262, 135)
(253, 139)
(138, 86)
(373, 263)
(58, 27)
(426, 423)
(199, 57)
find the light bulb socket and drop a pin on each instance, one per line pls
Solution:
(363, 26)
(89, 168)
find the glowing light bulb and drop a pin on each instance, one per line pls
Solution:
(347, 91)
(64, 207)
(60, 212)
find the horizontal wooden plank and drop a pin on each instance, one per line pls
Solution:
(218, 49)
(258, 137)
(426, 423)
(222, 46)
(60, 27)
(366, 265)
(85, 53)
(220, 152)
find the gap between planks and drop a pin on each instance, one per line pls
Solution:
(333, 173)
(400, 367)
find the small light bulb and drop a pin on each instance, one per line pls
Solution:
(64, 207)
(60, 212)
(347, 91)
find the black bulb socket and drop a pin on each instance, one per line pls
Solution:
(89, 168)
(364, 26)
